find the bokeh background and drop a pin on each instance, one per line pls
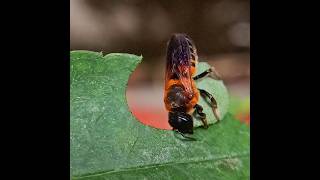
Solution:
(219, 28)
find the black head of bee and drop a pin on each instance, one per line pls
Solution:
(181, 121)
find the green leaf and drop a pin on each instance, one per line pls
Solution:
(107, 142)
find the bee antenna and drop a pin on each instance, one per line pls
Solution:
(188, 138)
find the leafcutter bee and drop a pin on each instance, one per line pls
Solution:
(181, 94)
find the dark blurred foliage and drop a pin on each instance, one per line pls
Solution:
(144, 26)
(219, 28)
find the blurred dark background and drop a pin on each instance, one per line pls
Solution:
(219, 28)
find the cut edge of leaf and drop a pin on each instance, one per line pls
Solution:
(86, 51)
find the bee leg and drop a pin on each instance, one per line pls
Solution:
(213, 103)
(199, 110)
(214, 74)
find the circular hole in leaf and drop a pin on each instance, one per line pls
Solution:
(145, 100)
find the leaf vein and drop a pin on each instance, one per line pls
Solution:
(150, 166)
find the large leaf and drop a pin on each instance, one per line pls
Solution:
(107, 142)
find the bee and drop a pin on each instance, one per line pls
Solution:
(180, 92)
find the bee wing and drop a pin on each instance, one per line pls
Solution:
(179, 61)
(181, 67)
